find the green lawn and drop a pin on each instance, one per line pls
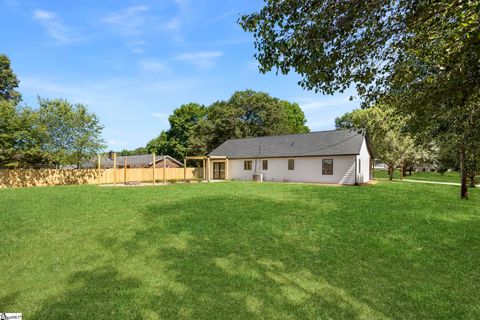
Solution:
(240, 251)
(452, 176)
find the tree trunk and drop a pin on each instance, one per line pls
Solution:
(472, 179)
(463, 172)
(473, 174)
(390, 172)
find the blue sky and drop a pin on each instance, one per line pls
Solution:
(133, 62)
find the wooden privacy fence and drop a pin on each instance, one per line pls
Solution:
(50, 177)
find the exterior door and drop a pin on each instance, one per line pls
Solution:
(219, 171)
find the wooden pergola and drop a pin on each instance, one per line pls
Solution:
(206, 164)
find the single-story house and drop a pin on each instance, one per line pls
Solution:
(336, 156)
(136, 161)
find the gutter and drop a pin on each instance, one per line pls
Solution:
(293, 156)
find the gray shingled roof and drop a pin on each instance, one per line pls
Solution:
(322, 143)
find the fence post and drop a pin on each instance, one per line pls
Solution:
(99, 161)
(125, 170)
(185, 169)
(164, 170)
(114, 169)
(153, 167)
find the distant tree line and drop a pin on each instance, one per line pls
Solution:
(54, 135)
(196, 129)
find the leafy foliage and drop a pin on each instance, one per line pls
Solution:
(421, 57)
(390, 142)
(140, 150)
(195, 129)
(8, 82)
(56, 134)
(69, 134)
(183, 121)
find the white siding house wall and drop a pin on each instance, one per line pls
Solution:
(307, 169)
(364, 164)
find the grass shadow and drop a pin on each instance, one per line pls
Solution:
(240, 257)
(102, 293)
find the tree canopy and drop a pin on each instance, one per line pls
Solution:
(8, 82)
(183, 123)
(195, 129)
(390, 141)
(337, 43)
(68, 133)
(421, 57)
(55, 134)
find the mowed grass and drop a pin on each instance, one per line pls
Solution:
(452, 176)
(240, 251)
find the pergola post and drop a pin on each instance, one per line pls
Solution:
(204, 176)
(99, 162)
(164, 171)
(154, 164)
(208, 169)
(125, 170)
(114, 169)
(226, 169)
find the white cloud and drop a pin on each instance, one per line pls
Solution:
(109, 94)
(116, 143)
(317, 125)
(128, 21)
(311, 104)
(162, 116)
(12, 4)
(133, 109)
(54, 27)
(202, 59)
(153, 65)
(138, 21)
(182, 4)
(43, 15)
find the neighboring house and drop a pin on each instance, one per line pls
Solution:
(136, 161)
(337, 156)
(425, 166)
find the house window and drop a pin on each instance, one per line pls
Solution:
(247, 165)
(291, 164)
(327, 167)
(264, 164)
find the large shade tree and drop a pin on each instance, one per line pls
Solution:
(68, 133)
(195, 129)
(19, 145)
(390, 142)
(175, 141)
(422, 54)
(57, 133)
(247, 114)
(8, 82)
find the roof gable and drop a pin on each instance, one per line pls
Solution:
(321, 143)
